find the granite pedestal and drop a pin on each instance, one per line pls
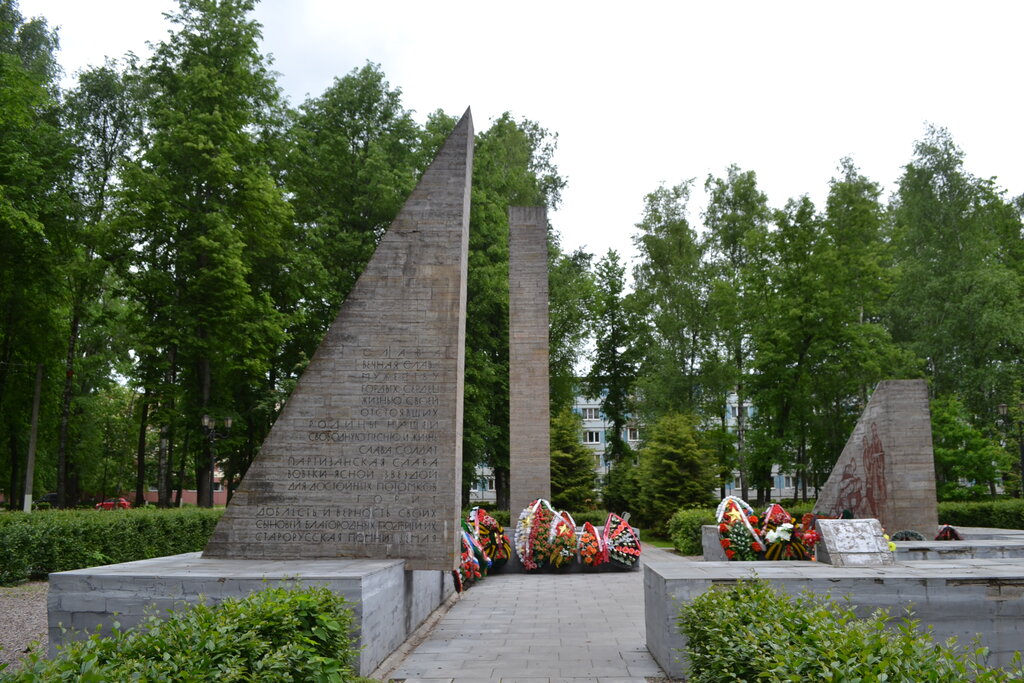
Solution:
(388, 601)
(961, 598)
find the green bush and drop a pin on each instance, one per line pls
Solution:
(1006, 513)
(750, 632)
(34, 545)
(279, 634)
(684, 529)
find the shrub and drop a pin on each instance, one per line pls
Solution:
(1007, 513)
(684, 529)
(34, 545)
(279, 634)
(750, 632)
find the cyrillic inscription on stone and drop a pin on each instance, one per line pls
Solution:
(853, 543)
(365, 459)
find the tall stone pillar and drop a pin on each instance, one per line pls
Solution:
(365, 460)
(529, 419)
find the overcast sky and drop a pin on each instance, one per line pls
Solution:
(653, 92)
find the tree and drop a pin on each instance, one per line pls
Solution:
(613, 370)
(34, 208)
(674, 470)
(964, 453)
(957, 300)
(102, 119)
(671, 297)
(207, 215)
(570, 294)
(572, 464)
(736, 220)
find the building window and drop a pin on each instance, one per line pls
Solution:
(632, 434)
(591, 437)
(591, 413)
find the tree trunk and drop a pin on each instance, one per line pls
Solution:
(12, 502)
(163, 492)
(140, 453)
(65, 411)
(501, 491)
(205, 466)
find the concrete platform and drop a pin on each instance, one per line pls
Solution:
(388, 601)
(961, 598)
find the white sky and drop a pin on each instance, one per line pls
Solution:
(650, 92)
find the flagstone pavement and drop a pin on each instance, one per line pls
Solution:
(538, 628)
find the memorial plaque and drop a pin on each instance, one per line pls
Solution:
(365, 459)
(529, 411)
(853, 543)
(887, 469)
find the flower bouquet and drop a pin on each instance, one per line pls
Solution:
(785, 539)
(592, 551)
(533, 534)
(470, 566)
(621, 541)
(736, 527)
(491, 536)
(563, 540)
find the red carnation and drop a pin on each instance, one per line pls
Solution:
(730, 554)
(726, 542)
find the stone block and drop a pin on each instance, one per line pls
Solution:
(388, 602)
(365, 459)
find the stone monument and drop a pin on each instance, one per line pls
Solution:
(887, 469)
(529, 416)
(365, 459)
(853, 543)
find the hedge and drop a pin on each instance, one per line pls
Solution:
(1004, 513)
(279, 634)
(36, 544)
(750, 632)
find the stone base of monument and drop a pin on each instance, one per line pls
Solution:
(961, 598)
(978, 543)
(388, 601)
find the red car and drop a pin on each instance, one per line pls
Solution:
(113, 504)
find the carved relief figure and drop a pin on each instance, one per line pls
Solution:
(851, 490)
(874, 473)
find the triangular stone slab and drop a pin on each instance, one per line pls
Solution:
(887, 468)
(365, 459)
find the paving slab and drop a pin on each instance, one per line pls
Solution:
(540, 628)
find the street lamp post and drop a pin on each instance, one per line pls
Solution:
(1004, 411)
(210, 429)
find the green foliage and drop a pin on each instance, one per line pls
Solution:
(957, 300)
(613, 369)
(572, 464)
(570, 300)
(674, 471)
(621, 485)
(751, 632)
(277, 634)
(999, 514)
(963, 451)
(42, 542)
(684, 528)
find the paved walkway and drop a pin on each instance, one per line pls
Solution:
(540, 628)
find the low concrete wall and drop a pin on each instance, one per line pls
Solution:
(961, 599)
(388, 602)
